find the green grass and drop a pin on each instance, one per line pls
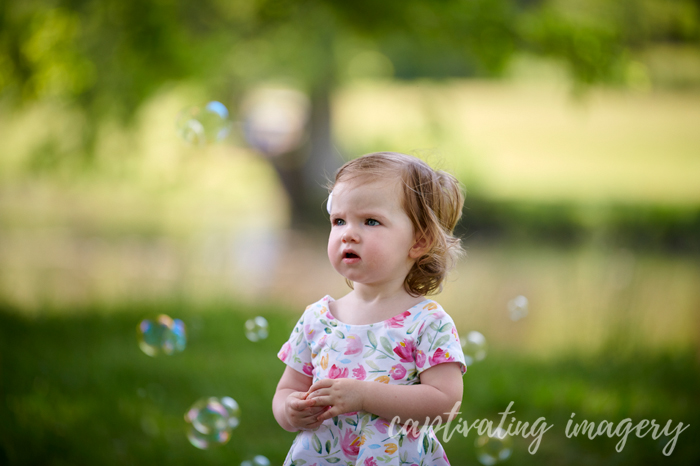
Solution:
(76, 389)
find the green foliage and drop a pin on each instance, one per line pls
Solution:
(111, 55)
(641, 227)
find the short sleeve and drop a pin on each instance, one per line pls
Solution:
(295, 352)
(438, 342)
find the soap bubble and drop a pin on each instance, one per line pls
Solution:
(493, 450)
(256, 329)
(257, 460)
(211, 421)
(204, 441)
(234, 412)
(163, 335)
(201, 125)
(474, 346)
(518, 307)
(208, 415)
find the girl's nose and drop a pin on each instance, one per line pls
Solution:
(350, 236)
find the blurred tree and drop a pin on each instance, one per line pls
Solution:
(109, 56)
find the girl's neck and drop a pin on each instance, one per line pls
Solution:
(366, 306)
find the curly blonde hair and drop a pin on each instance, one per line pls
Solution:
(432, 199)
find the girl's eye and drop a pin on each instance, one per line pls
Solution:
(372, 222)
(338, 221)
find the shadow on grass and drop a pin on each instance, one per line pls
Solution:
(76, 389)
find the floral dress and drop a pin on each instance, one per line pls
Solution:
(395, 351)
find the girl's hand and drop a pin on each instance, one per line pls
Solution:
(300, 411)
(337, 396)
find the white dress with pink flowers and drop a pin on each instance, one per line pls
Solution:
(395, 351)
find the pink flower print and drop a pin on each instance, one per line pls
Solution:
(397, 321)
(354, 344)
(420, 358)
(335, 373)
(360, 373)
(370, 461)
(413, 434)
(308, 369)
(308, 331)
(350, 443)
(397, 371)
(405, 350)
(382, 425)
(440, 356)
(284, 352)
(439, 315)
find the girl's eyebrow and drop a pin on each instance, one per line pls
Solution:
(371, 214)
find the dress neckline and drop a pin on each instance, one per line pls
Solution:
(328, 299)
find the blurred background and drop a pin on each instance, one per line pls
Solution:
(170, 157)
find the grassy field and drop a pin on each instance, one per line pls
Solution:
(76, 389)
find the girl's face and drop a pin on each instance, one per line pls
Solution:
(372, 239)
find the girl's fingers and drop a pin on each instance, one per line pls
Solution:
(300, 405)
(322, 401)
(315, 411)
(325, 383)
(327, 415)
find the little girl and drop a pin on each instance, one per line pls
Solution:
(383, 351)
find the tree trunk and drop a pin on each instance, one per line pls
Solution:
(306, 171)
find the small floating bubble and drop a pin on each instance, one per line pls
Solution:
(211, 421)
(233, 410)
(256, 329)
(162, 335)
(208, 415)
(257, 460)
(474, 347)
(517, 307)
(200, 125)
(495, 449)
(205, 441)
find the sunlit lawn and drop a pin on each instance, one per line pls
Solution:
(535, 141)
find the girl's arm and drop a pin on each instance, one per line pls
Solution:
(292, 410)
(440, 389)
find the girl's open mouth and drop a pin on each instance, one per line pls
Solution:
(350, 257)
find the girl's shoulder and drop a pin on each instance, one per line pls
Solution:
(323, 302)
(430, 312)
(319, 308)
(429, 309)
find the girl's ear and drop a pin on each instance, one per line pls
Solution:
(420, 247)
